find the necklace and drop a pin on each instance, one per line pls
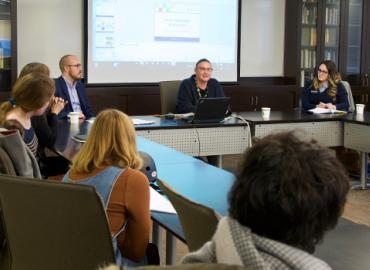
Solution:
(202, 93)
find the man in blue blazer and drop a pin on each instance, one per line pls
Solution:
(69, 87)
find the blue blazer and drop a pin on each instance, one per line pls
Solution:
(61, 90)
(311, 97)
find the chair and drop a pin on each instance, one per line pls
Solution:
(168, 91)
(15, 157)
(49, 225)
(199, 222)
(192, 266)
(351, 102)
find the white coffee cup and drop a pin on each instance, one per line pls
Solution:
(74, 117)
(360, 108)
(265, 112)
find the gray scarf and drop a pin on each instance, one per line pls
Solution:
(235, 244)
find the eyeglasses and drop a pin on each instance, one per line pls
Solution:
(205, 69)
(76, 65)
(322, 71)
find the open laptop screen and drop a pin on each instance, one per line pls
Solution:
(211, 110)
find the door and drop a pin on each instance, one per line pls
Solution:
(356, 66)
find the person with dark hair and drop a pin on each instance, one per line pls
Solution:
(46, 126)
(35, 67)
(31, 95)
(287, 194)
(69, 87)
(199, 85)
(325, 90)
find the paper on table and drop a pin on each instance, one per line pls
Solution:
(323, 110)
(184, 115)
(320, 110)
(137, 121)
(160, 203)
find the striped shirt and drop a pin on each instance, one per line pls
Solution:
(31, 141)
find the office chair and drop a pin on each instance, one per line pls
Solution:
(49, 225)
(351, 102)
(191, 266)
(168, 92)
(198, 221)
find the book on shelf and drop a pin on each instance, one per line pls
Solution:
(305, 40)
(331, 37)
(309, 14)
(331, 15)
(313, 37)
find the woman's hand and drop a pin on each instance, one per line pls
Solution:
(331, 106)
(57, 104)
(321, 105)
(327, 106)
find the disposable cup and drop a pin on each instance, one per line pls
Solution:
(265, 112)
(74, 117)
(360, 108)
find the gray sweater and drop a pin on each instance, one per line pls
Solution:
(21, 157)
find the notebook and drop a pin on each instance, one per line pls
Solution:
(210, 110)
(80, 137)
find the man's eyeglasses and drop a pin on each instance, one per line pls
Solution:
(205, 69)
(76, 65)
(322, 71)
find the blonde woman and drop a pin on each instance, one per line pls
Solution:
(31, 95)
(326, 90)
(110, 161)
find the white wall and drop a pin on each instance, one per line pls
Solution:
(262, 38)
(48, 29)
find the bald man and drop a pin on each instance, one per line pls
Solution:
(69, 87)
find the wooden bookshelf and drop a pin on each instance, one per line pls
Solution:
(338, 30)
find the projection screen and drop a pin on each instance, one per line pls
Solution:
(147, 41)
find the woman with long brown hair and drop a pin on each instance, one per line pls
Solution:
(46, 127)
(325, 90)
(31, 95)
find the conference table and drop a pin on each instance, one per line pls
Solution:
(192, 177)
(357, 137)
(349, 130)
(228, 137)
(233, 135)
(327, 129)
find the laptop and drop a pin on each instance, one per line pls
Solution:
(210, 110)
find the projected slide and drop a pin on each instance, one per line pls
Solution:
(152, 40)
(177, 22)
